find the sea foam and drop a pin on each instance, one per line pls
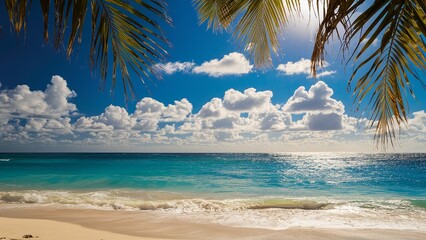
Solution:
(266, 212)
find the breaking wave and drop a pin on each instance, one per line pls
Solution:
(265, 212)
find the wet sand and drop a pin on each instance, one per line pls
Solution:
(49, 223)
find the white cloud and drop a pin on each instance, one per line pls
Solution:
(213, 109)
(322, 112)
(273, 120)
(172, 67)
(23, 102)
(317, 99)
(323, 121)
(57, 126)
(228, 122)
(149, 108)
(418, 122)
(113, 118)
(91, 124)
(117, 117)
(303, 66)
(57, 95)
(227, 136)
(248, 111)
(248, 101)
(146, 125)
(231, 64)
(240, 121)
(291, 68)
(177, 112)
(149, 112)
(325, 73)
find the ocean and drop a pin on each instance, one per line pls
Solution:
(272, 191)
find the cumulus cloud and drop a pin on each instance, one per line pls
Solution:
(247, 111)
(213, 109)
(322, 112)
(91, 124)
(52, 103)
(272, 120)
(177, 112)
(250, 100)
(231, 64)
(57, 126)
(117, 117)
(316, 99)
(149, 108)
(173, 67)
(146, 125)
(247, 119)
(303, 66)
(418, 122)
(235, 101)
(229, 122)
(291, 68)
(148, 114)
(113, 118)
(323, 121)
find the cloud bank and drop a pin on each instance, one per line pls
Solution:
(239, 121)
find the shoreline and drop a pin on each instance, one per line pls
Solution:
(49, 223)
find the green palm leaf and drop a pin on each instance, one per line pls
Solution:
(383, 73)
(128, 31)
(260, 22)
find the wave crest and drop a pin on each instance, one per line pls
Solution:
(270, 213)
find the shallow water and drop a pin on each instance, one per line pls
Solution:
(273, 191)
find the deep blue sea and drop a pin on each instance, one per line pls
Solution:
(273, 191)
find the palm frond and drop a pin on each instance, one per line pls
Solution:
(129, 32)
(18, 11)
(336, 22)
(219, 13)
(383, 73)
(260, 25)
(134, 36)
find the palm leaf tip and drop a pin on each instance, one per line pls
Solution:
(18, 11)
(128, 32)
(382, 74)
(259, 23)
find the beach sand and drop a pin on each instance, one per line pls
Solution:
(14, 228)
(53, 223)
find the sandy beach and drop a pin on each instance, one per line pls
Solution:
(48, 223)
(14, 228)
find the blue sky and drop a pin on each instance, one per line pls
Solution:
(215, 72)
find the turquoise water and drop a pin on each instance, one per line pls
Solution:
(228, 187)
